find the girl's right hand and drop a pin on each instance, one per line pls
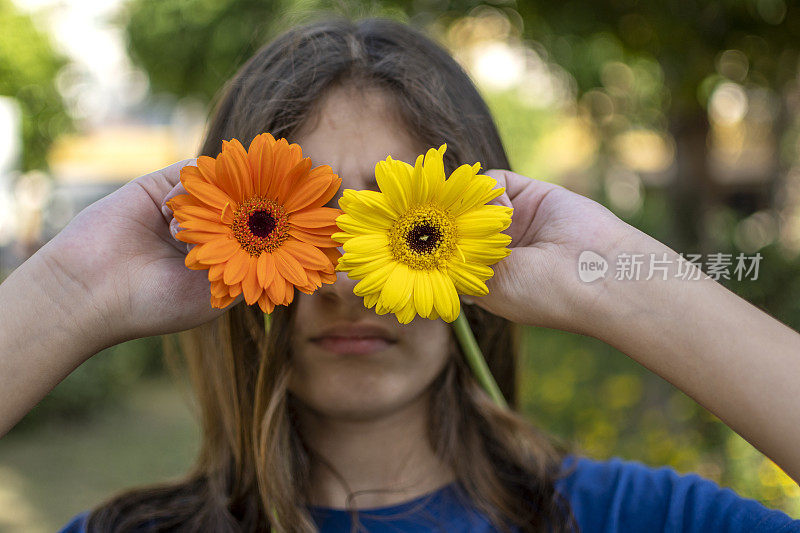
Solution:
(120, 255)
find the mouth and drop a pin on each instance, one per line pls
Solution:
(354, 339)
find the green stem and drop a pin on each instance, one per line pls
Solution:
(266, 324)
(475, 358)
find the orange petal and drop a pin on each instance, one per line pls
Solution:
(289, 182)
(320, 241)
(183, 201)
(280, 166)
(218, 251)
(250, 287)
(221, 303)
(254, 154)
(237, 166)
(306, 254)
(327, 277)
(205, 192)
(191, 260)
(191, 211)
(197, 237)
(333, 254)
(307, 191)
(219, 289)
(315, 217)
(207, 167)
(266, 173)
(265, 303)
(314, 278)
(289, 267)
(236, 268)
(235, 290)
(204, 225)
(322, 230)
(225, 179)
(277, 289)
(215, 271)
(227, 214)
(265, 269)
(328, 193)
(289, 296)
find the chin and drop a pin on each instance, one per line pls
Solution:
(356, 396)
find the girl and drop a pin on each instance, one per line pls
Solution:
(300, 432)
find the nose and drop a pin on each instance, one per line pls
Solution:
(342, 289)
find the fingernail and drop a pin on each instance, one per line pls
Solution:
(174, 228)
(167, 212)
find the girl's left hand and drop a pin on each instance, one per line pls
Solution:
(538, 283)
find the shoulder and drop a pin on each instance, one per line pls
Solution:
(77, 524)
(623, 495)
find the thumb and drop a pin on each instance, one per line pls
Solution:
(160, 182)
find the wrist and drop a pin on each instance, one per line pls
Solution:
(606, 305)
(70, 301)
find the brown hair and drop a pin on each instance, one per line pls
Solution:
(253, 469)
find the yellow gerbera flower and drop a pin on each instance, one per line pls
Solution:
(422, 239)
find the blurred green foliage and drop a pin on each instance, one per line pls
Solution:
(100, 383)
(28, 68)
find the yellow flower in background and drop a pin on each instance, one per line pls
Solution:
(423, 239)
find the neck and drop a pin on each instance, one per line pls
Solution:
(388, 455)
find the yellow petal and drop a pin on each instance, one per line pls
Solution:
(407, 313)
(484, 221)
(393, 185)
(467, 283)
(366, 244)
(374, 281)
(423, 294)
(483, 254)
(445, 297)
(397, 289)
(360, 271)
(456, 184)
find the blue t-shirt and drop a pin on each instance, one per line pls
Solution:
(608, 496)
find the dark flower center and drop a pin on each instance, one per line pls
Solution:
(261, 223)
(423, 238)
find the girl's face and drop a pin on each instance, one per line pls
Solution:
(348, 361)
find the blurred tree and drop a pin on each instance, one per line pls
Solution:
(692, 46)
(28, 67)
(191, 47)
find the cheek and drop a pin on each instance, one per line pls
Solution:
(373, 384)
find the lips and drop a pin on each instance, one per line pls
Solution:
(354, 338)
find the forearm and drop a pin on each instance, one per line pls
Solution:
(732, 358)
(48, 329)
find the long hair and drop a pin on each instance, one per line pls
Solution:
(253, 470)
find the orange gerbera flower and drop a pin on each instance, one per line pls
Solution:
(258, 222)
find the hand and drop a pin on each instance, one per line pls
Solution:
(538, 283)
(119, 250)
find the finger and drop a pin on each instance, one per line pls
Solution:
(517, 184)
(159, 183)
